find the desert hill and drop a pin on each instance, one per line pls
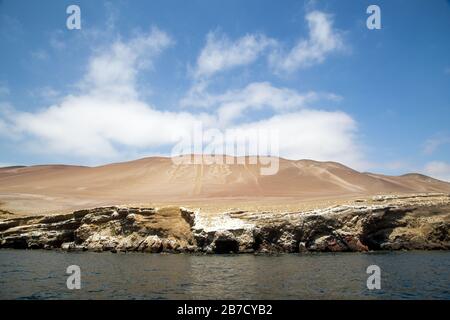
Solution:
(159, 179)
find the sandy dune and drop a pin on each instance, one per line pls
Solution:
(52, 188)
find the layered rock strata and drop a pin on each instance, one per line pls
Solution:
(381, 223)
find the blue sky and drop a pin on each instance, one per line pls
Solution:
(139, 73)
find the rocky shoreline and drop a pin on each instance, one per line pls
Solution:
(381, 223)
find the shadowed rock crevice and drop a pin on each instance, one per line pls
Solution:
(380, 225)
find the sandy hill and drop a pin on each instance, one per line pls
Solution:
(159, 179)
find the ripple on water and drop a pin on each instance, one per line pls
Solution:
(405, 275)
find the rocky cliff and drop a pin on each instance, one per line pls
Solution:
(379, 223)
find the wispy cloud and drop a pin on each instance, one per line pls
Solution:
(107, 120)
(232, 104)
(113, 70)
(220, 53)
(107, 116)
(323, 40)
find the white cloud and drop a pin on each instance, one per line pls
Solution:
(315, 134)
(438, 169)
(323, 40)
(258, 95)
(107, 115)
(220, 53)
(107, 120)
(303, 132)
(113, 71)
(95, 127)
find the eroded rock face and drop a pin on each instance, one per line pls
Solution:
(101, 229)
(414, 222)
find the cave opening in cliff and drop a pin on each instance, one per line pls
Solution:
(226, 246)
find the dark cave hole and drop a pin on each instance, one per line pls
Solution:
(226, 246)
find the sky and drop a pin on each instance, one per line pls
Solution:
(138, 74)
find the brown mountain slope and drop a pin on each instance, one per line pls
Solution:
(158, 179)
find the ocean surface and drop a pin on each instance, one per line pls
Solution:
(26, 274)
